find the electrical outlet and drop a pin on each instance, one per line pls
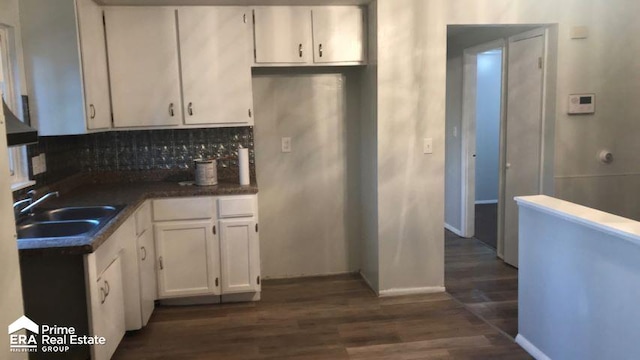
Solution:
(428, 146)
(43, 163)
(35, 165)
(286, 144)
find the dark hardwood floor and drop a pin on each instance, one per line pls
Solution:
(486, 224)
(483, 283)
(334, 317)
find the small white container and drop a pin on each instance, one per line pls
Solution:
(206, 172)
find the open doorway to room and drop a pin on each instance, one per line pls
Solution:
(499, 144)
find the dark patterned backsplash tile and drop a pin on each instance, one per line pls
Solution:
(140, 150)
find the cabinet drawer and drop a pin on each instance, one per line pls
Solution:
(183, 209)
(236, 206)
(143, 218)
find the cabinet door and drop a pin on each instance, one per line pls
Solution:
(93, 53)
(239, 256)
(188, 258)
(215, 50)
(147, 263)
(143, 66)
(109, 315)
(282, 34)
(338, 34)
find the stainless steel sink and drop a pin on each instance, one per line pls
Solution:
(74, 213)
(56, 229)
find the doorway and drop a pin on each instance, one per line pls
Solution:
(499, 129)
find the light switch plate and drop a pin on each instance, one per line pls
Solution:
(286, 144)
(428, 146)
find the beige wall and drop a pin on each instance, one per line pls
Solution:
(411, 106)
(309, 198)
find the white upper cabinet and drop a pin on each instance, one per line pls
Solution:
(66, 66)
(303, 36)
(282, 35)
(144, 67)
(338, 34)
(215, 52)
(94, 65)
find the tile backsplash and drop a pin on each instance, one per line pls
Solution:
(140, 150)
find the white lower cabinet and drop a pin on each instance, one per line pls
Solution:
(239, 256)
(107, 302)
(146, 263)
(187, 253)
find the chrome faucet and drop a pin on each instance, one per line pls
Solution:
(31, 203)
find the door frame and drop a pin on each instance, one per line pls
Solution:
(468, 129)
(547, 149)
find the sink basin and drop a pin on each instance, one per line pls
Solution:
(56, 229)
(74, 213)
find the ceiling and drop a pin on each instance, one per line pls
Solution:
(233, 2)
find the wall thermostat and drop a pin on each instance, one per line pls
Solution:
(582, 104)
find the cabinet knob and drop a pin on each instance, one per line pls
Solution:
(300, 50)
(190, 109)
(93, 111)
(320, 50)
(144, 253)
(171, 109)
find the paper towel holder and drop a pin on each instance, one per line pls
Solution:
(605, 157)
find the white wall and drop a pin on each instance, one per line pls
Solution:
(453, 142)
(488, 105)
(369, 158)
(309, 198)
(579, 302)
(411, 106)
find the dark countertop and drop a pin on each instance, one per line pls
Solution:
(129, 194)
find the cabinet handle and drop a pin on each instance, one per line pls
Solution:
(214, 229)
(190, 109)
(107, 288)
(258, 280)
(300, 50)
(250, 113)
(103, 296)
(320, 49)
(171, 109)
(93, 111)
(161, 265)
(216, 282)
(144, 253)
(256, 227)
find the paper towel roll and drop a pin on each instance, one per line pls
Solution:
(243, 163)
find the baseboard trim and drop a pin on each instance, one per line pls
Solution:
(366, 281)
(303, 276)
(486, 202)
(411, 291)
(453, 229)
(530, 348)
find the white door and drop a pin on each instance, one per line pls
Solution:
(143, 66)
(524, 132)
(147, 264)
(109, 317)
(215, 49)
(188, 258)
(338, 34)
(239, 256)
(93, 51)
(282, 34)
